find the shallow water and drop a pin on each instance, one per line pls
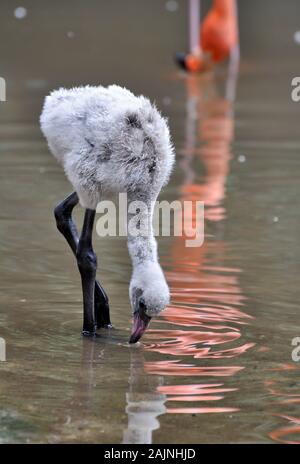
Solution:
(216, 366)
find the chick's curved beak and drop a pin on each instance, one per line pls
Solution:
(140, 324)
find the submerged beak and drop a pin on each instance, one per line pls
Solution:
(140, 324)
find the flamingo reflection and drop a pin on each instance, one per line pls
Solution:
(206, 319)
(145, 402)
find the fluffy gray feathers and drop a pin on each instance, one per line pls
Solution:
(108, 140)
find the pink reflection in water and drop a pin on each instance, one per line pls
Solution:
(194, 389)
(184, 343)
(200, 410)
(284, 435)
(269, 384)
(285, 394)
(205, 320)
(196, 398)
(203, 314)
(177, 369)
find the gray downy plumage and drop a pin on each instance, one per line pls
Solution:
(111, 141)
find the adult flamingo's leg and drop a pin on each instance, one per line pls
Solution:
(194, 26)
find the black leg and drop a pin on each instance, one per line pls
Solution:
(87, 265)
(64, 221)
(66, 225)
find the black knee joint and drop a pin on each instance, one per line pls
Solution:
(86, 260)
(61, 219)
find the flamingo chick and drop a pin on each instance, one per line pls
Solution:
(110, 141)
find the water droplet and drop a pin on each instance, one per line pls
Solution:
(172, 6)
(20, 12)
(297, 37)
(242, 159)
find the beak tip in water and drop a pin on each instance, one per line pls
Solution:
(140, 324)
(133, 339)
